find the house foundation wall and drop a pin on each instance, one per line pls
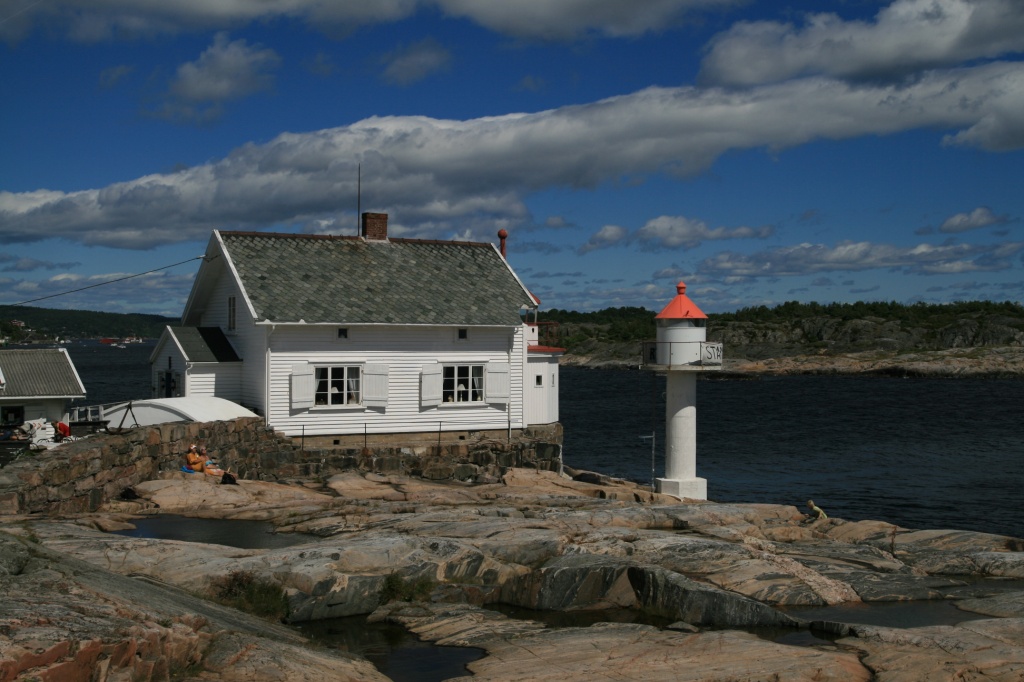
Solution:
(422, 438)
(81, 476)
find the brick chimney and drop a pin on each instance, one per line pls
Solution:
(375, 226)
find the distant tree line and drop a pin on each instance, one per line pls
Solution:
(49, 323)
(932, 315)
(625, 323)
(628, 324)
(610, 325)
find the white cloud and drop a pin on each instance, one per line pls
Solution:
(906, 37)
(595, 296)
(437, 177)
(114, 75)
(163, 293)
(415, 62)
(848, 256)
(569, 18)
(16, 264)
(96, 20)
(321, 64)
(609, 235)
(225, 71)
(531, 83)
(676, 231)
(975, 220)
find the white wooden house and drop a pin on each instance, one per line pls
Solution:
(368, 335)
(37, 384)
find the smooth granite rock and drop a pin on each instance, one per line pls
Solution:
(534, 540)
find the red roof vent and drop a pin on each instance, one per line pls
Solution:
(503, 235)
(681, 307)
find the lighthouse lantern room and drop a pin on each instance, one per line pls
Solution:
(681, 351)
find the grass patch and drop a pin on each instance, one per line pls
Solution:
(245, 591)
(397, 588)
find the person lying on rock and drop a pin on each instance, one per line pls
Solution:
(209, 466)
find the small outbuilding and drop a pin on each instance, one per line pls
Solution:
(37, 384)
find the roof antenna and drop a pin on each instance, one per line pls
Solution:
(359, 194)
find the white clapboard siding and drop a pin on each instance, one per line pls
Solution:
(50, 409)
(250, 344)
(404, 351)
(248, 340)
(220, 380)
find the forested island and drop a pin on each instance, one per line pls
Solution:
(968, 337)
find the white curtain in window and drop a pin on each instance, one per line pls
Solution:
(352, 387)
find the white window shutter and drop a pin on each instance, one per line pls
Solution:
(497, 387)
(303, 381)
(375, 385)
(430, 386)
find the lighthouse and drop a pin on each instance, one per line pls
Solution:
(681, 351)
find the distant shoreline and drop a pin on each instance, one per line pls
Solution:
(990, 362)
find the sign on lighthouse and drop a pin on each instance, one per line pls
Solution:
(681, 351)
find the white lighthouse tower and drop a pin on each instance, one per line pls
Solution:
(681, 351)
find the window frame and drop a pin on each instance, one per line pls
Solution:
(495, 385)
(232, 314)
(468, 393)
(345, 389)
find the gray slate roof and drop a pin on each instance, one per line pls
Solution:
(348, 280)
(39, 373)
(204, 344)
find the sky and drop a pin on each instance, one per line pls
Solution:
(762, 151)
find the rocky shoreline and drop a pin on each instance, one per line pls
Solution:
(84, 604)
(976, 362)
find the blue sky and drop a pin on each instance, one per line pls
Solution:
(762, 151)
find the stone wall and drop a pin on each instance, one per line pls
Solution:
(82, 475)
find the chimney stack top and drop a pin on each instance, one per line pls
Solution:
(374, 226)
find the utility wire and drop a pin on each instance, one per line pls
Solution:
(99, 284)
(23, 9)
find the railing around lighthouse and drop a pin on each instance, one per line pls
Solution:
(695, 354)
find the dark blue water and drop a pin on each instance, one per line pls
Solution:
(922, 453)
(112, 374)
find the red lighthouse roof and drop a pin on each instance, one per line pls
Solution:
(681, 307)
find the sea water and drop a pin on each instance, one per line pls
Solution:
(921, 453)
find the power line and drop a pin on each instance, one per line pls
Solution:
(23, 9)
(99, 284)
